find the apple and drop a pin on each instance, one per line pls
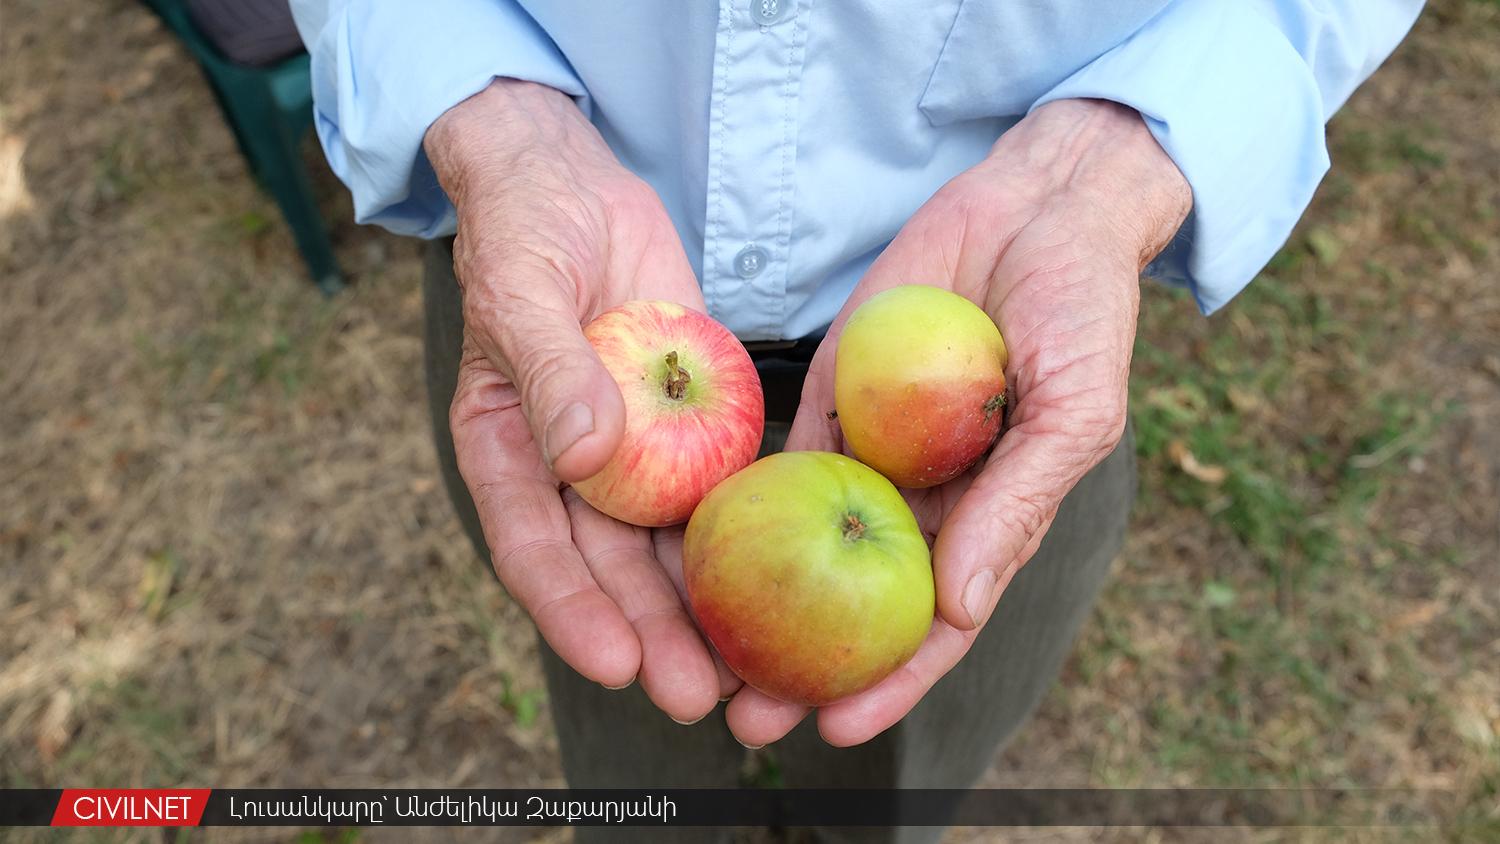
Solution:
(694, 411)
(919, 384)
(810, 576)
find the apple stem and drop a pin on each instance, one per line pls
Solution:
(993, 404)
(853, 527)
(677, 378)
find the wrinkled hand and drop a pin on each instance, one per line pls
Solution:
(1048, 235)
(552, 231)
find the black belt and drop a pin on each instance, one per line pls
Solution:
(783, 368)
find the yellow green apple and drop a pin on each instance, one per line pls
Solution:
(919, 384)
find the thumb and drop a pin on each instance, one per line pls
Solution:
(572, 403)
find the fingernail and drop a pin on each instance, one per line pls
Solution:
(690, 723)
(749, 746)
(978, 595)
(624, 685)
(568, 427)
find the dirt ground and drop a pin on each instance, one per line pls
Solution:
(225, 557)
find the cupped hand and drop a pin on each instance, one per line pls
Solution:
(553, 231)
(1048, 235)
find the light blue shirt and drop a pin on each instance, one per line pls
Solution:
(791, 139)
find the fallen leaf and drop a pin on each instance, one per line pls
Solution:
(1325, 245)
(1417, 616)
(15, 198)
(157, 579)
(55, 725)
(1192, 467)
(1244, 400)
(1217, 594)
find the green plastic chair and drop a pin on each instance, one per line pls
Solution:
(269, 109)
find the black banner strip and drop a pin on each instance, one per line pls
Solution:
(28, 806)
(1223, 807)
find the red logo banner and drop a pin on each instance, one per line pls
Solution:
(130, 807)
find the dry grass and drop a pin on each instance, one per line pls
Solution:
(227, 560)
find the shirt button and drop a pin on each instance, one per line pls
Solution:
(750, 262)
(767, 12)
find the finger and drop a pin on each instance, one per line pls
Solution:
(756, 719)
(815, 426)
(677, 672)
(529, 536)
(1000, 521)
(859, 718)
(667, 546)
(729, 682)
(530, 329)
(539, 565)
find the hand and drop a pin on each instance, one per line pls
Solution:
(1048, 235)
(552, 231)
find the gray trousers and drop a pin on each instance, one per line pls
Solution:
(618, 739)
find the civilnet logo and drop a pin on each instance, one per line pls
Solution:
(130, 807)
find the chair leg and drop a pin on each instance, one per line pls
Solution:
(282, 171)
(266, 137)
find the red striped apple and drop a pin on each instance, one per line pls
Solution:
(810, 576)
(694, 412)
(919, 384)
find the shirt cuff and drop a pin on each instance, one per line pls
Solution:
(383, 72)
(1239, 111)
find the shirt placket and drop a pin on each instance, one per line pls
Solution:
(752, 157)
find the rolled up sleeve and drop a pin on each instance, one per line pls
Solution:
(1238, 93)
(383, 71)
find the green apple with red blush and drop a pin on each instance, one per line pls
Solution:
(919, 384)
(809, 574)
